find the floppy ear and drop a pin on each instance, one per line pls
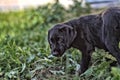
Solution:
(69, 34)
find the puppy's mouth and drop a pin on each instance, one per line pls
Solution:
(57, 54)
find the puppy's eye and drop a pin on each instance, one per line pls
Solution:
(51, 40)
(58, 38)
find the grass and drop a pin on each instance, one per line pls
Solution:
(24, 49)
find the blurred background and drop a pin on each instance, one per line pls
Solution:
(24, 48)
(22, 4)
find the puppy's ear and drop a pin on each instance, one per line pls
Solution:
(69, 34)
(65, 26)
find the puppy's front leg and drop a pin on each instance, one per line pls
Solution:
(86, 57)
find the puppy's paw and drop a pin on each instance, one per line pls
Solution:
(78, 73)
(78, 70)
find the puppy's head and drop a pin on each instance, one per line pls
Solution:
(60, 38)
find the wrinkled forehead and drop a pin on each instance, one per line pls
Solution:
(54, 32)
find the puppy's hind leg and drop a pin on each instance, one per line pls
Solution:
(112, 46)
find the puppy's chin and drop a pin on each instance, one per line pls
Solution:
(57, 54)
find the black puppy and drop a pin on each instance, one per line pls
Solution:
(86, 33)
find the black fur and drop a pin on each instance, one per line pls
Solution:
(86, 33)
